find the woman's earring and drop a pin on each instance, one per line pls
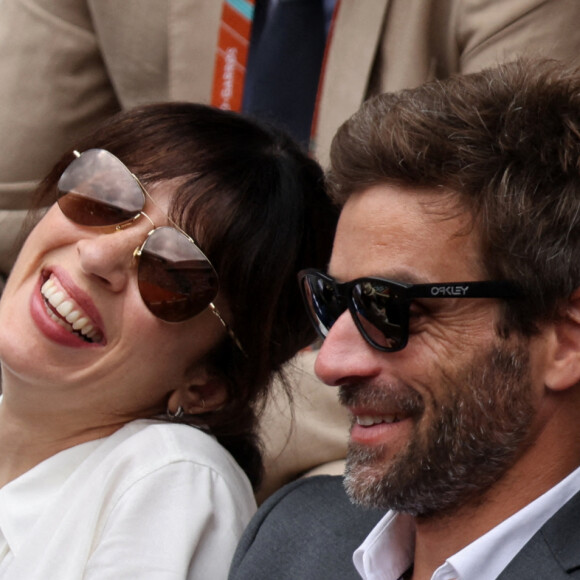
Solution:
(177, 415)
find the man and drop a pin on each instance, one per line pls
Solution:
(451, 317)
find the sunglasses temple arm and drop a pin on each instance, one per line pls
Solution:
(230, 332)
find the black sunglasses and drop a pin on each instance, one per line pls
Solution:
(380, 308)
(176, 279)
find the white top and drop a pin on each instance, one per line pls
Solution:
(388, 550)
(152, 501)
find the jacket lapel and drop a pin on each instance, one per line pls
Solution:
(193, 27)
(132, 38)
(355, 40)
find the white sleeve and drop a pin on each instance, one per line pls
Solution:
(182, 521)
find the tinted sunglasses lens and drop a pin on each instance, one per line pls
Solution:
(176, 280)
(322, 301)
(382, 320)
(96, 189)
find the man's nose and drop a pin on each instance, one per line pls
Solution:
(345, 356)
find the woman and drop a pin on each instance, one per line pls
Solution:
(159, 290)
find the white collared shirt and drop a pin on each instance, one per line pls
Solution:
(153, 500)
(387, 551)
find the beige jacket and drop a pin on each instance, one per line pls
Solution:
(65, 65)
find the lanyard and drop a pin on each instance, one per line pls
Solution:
(232, 56)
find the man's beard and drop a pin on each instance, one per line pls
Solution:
(481, 424)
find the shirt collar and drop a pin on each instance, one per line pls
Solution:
(387, 551)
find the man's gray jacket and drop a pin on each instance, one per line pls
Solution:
(309, 530)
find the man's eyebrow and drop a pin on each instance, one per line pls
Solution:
(400, 275)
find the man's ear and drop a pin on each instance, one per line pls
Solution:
(203, 392)
(563, 366)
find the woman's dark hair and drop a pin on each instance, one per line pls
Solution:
(257, 206)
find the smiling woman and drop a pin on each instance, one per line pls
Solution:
(140, 329)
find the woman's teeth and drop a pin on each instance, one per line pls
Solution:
(71, 316)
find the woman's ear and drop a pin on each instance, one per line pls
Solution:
(202, 393)
(563, 341)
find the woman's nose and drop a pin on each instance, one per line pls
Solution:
(110, 256)
(345, 356)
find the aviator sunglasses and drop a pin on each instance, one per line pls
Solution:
(176, 279)
(380, 308)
